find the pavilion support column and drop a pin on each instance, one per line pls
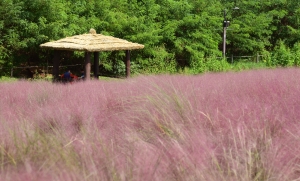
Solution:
(127, 63)
(55, 70)
(87, 65)
(96, 65)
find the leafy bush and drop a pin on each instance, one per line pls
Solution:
(160, 62)
(197, 64)
(210, 64)
(215, 65)
(281, 56)
(296, 54)
(266, 58)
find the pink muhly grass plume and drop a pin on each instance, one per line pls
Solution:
(218, 126)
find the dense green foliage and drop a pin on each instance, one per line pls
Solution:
(177, 34)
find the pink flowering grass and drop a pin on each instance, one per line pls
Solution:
(224, 126)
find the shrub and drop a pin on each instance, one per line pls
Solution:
(197, 64)
(296, 54)
(160, 62)
(266, 58)
(215, 65)
(281, 56)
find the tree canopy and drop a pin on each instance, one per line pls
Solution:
(176, 33)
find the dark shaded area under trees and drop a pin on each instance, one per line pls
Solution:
(176, 33)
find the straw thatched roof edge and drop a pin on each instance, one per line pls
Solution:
(91, 43)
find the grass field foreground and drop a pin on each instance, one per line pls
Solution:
(218, 126)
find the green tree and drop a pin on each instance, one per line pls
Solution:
(176, 33)
(188, 29)
(251, 28)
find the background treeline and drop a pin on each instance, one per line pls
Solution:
(177, 34)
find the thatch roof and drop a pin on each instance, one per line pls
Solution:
(91, 42)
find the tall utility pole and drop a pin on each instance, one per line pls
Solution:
(224, 34)
(225, 25)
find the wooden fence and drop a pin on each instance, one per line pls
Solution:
(255, 58)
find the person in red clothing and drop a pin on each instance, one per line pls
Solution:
(68, 76)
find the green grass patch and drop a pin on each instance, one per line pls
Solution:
(239, 66)
(7, 79)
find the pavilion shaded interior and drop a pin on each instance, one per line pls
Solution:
(90, 43)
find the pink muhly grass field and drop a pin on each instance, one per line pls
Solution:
(224, 126)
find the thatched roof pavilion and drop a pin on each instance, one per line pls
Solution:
(91, 42)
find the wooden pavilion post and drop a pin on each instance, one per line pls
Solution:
(87, 64)
(96, 65)
(55, 69)
(127, 63)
